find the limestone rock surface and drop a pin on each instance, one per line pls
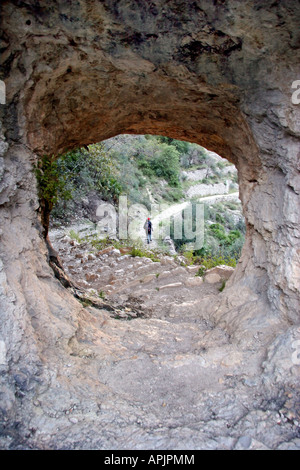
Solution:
(220, 74)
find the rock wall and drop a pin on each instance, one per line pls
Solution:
(216, 73)
(208, 189)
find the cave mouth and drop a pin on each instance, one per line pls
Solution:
(106, 193)
(218, 74)
(217, 124)
(202, 113)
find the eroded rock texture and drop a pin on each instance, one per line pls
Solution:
(216, 73)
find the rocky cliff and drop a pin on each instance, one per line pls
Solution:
(215, 73)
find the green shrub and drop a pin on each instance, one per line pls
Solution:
(75, 236)
(102, 294)
(51, 183)
(222, 286)
(232, 236)
(219, 218)
(173, 194)
(201, 271)
(165, 164)
(142, 253)
(211, 262)
(218, 231)
(75, 174)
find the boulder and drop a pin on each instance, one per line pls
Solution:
(194, 281)
(218, 274)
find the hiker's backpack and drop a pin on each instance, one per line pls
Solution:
(149, 226)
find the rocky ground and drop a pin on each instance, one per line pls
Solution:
(149, 369)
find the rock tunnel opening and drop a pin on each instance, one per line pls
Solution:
(217, 74)
(75, 106)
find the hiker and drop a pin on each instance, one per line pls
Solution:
(149, 229)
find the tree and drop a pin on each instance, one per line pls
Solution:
(51, 186)
(73, 175)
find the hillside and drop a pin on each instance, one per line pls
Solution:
(158, 176)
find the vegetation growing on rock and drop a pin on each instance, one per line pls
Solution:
(149, 170)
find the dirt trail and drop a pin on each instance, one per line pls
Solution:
(174, 209)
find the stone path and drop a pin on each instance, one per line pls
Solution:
(156, 371)
(160, 286)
